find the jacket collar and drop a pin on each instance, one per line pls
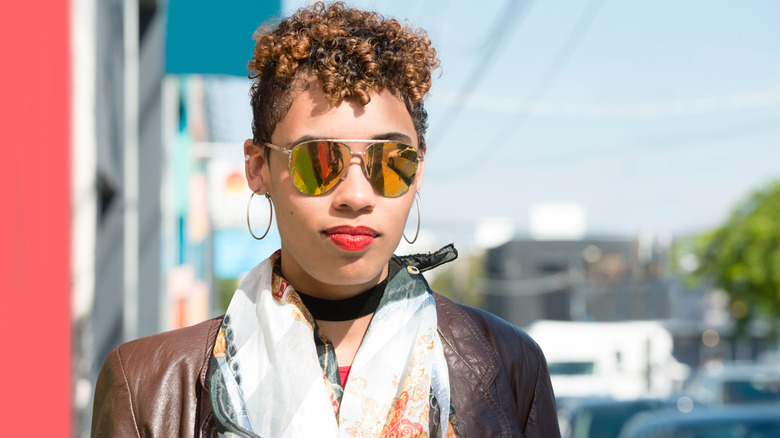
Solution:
(473, 369)
(472, 356)
(425, 262)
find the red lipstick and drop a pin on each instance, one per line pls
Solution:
(351, 238)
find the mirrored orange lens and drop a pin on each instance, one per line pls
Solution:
(316, 166)
(391, 167)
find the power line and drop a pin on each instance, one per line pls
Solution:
(537, 92)
(506, 20)
(766, 98)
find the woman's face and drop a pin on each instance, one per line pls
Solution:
(337, 244)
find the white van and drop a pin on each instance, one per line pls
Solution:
(622, 360)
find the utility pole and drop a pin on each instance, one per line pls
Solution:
(131, 127)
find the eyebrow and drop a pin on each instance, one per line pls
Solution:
(403, 138)
(395, 136)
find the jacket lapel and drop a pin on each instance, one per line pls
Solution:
(207, 428)
(473, 368)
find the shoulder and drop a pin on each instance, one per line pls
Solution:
(141, 378)
(155, 358)
(186, 349)
(464, 321)
(477, 335)
(489, 356)
(191, 343)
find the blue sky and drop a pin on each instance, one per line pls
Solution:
(656, 117)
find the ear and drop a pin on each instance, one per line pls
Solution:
(418, 180)
(256, 167)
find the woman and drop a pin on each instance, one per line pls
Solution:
(333, 335)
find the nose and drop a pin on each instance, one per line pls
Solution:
(360, 159)
(355, 191)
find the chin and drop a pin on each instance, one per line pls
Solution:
(359, 271)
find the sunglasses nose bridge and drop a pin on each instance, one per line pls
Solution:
(363, 166)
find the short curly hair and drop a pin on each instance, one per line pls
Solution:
(352, 52)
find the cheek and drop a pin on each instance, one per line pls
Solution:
(398, 213)
(298, 214)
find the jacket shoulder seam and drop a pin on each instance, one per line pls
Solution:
(211, 337)
(129, 391)
(539, 366)
(468, 321)
(489, 381)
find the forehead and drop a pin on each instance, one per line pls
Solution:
(312, 115)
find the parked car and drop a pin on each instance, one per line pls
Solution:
(736, 383)
(594, 417)
(734, 421)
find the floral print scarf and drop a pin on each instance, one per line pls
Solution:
(273, 373)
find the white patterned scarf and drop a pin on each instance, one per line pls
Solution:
(269, 378)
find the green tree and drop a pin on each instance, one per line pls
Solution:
(742, 257)
(462, 280)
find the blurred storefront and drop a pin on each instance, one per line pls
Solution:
(602, 280)
(151, 160)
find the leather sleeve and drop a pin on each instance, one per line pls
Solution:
(543, 418)
(154, 386)
(499, 380)
(524, 365)
(112, 414)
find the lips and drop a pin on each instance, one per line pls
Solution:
(351, 238)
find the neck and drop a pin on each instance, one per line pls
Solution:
(345, 309)
(346, 337)
(355, 283)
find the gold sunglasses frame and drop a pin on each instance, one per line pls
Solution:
(362, 155)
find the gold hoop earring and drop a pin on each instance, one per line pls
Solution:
(417, 232)
(270, 218)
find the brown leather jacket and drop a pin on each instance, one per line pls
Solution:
(500, 386)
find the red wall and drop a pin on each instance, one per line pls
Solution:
(34, 217)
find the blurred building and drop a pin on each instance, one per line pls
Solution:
(609, 280)
(576, 280)
(145, 124)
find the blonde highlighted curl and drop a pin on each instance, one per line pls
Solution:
(352, 52)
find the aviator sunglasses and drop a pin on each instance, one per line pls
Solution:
(317, 166)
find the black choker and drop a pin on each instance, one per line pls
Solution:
(347, 309)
